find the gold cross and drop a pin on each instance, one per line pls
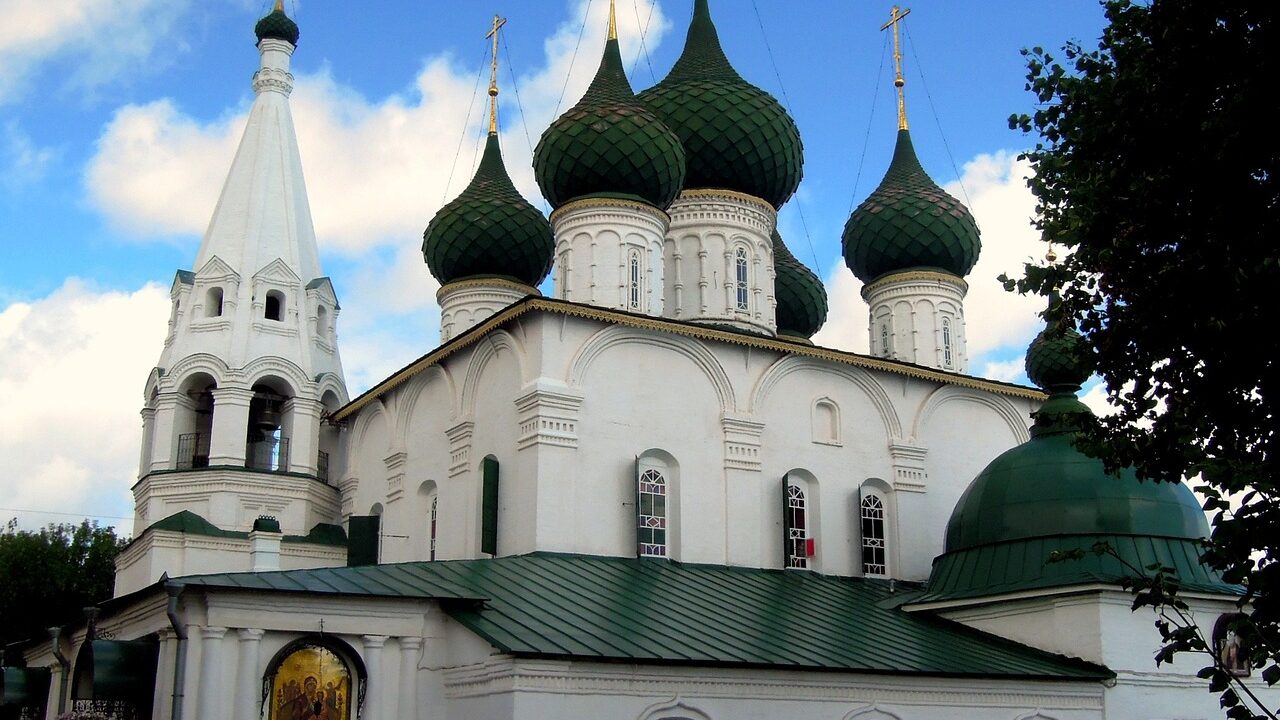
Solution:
(895, 17)
(498, 22)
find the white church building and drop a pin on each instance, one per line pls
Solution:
(649, 496)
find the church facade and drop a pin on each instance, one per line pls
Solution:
(648, 496)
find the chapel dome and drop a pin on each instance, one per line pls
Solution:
(489, 230)
(908, 222)
(1046, 496)
(277, 26)
(802, 300)
(735, 135)
(609, 145)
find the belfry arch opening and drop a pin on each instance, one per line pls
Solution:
(270, 426)
(193, 421)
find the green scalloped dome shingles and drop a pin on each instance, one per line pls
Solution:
(609, 144)
(1058, 357)
(277, 26)
(489, 230)
(802, 300)
(909, 222)
(735, 135)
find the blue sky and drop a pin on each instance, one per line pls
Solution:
(118, 120)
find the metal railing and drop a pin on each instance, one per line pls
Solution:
(270, 454)
(193, 451)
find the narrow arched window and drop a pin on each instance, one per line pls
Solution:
(275, 305)
(652, 515)
(633, 282)
(322, 322)
(797, 528)
(885, 349)
(213, 302)
(435, 504)
(740, 264)
(946, 342)
(873, 536)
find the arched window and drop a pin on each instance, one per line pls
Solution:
(797, 528)
(322, 322)
(826, 422)
(633, 281)
(946, 342)
(435, 506)
(312, 678)
(885, 349)
(873, 536)
(275, 305)
(740, 265)
(213, 302)
(651, 519)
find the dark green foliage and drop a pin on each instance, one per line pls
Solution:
(609, 144)
(489, 230)
(909, 222)
(802, 300)
(48, 576)
(735, 135)
(1156, 170)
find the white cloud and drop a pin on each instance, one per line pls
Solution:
(71, 371)
(108, 38)
(22, 162)
(995, 321)
(1004, 371)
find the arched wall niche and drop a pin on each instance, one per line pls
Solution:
(276, 681)
(825, 419)
(615, 336)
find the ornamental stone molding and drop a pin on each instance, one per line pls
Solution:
(741, 442)
(460, 436)
(909, 473)
(548, 415)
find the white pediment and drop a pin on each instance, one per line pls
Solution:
(216, 269)
(278, 271)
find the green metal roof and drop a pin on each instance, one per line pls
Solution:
(909, 222)
(802, 300)
(278, 26)
(609, 143)
(735, 135)
(189, 523)
(489, 230)
(657, 611)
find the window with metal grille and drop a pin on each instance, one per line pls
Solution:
(885, 350)
(873, 536)
(741, 270)
(633, 299)
(652, 517)
(946, 342)
(435, 503)
(797, 529)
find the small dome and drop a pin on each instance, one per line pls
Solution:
(802, 300)
(489, 230)
(609, 144)
(735, 135)
(1058, 358)
(909, 222)
(277, 26)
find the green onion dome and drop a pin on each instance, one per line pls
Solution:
(277, 26)
(1046, 496)
(909, 222)
(735, 135)
(802, 300)
(489, 230)
(610, 145)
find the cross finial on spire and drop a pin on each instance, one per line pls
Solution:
(498, 22)
(613, 20)
(895, 17)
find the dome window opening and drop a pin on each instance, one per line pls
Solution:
(435, 507)
(633, 299)
(886, 348)
(213, 302)
(873, 542)
(798, 550)
(740, 271)
(651, 530)
(274, 306)
(946, 343)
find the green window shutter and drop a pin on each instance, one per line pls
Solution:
(635, 491)
(786, 522)
(362, 540)
(489, 507)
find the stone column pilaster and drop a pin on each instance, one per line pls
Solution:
(213, 695)
(230, 426)
(408, 701)
(248, 684)
(373, 702)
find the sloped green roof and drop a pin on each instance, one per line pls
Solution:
(735, 135)
(190, 523)
(909, 222)
(609, 143)
(802, 300)
(278, 26)
(656, 611)
(489, 230)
